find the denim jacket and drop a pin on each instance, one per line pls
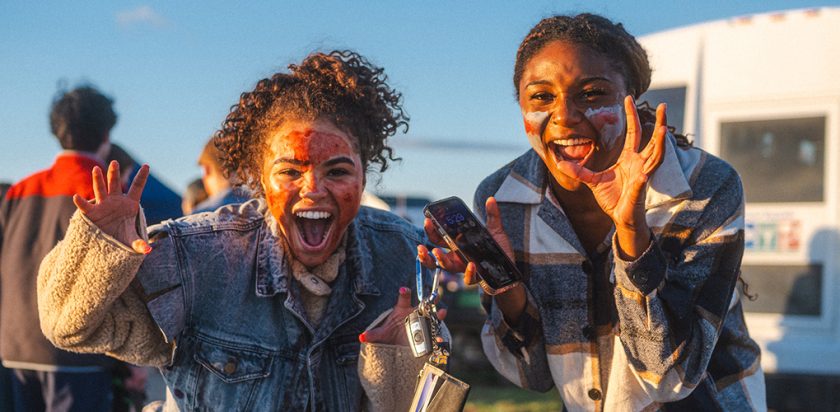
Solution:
(218, 286)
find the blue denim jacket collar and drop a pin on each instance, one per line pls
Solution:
(272, 269)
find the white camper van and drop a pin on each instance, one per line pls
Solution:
(763, 92)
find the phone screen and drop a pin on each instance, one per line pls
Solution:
(473, 241)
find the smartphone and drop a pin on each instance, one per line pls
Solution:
(465, 235)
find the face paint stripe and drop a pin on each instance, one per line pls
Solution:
(535, 123)
(609, 121)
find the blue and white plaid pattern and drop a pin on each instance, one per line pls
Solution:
(663, 332)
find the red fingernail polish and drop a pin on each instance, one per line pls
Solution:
(403, 290)
(147, 250)
(362, 337)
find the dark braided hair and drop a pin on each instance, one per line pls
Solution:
(340, 86)
(595, 32)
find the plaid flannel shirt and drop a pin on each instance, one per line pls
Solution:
(664, 332)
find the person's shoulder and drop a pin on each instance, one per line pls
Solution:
(245, 216)
(33, 184)
(523, 167)
(385, 222)
(377, 217)
(703, 168)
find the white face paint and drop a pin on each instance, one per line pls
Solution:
(609, 121)
(534, 125)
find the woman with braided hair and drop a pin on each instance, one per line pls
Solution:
(257, 306)
(629, 239)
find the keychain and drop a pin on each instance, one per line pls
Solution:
(422, 324)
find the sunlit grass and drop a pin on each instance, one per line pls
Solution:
(511, 399)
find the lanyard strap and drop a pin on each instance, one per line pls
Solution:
(421, 270)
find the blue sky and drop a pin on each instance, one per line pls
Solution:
(174, 69)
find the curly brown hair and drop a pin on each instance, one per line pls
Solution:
(595, 32)
(339, 86)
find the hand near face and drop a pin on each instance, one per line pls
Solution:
(111, 210)
(620, 189)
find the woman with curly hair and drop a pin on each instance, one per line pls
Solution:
(256, 306)
(629, 240)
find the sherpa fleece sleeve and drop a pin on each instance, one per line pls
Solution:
(89, 303)
(388, 373)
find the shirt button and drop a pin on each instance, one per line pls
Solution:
(587, 267)
(230, 367)
(640, 278)
(587, 332)
(179, 394)
(594, 394)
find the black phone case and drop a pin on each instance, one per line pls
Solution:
(493, 283)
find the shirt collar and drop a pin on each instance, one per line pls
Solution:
(78, 153)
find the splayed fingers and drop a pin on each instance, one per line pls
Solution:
(112, 211)
(634, 128)
(135, 191)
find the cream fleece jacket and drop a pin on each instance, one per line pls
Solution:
(87, 304)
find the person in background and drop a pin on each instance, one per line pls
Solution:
(33, 218)
(261, 306)
(629, 240)
(194, 195)
(159, 201)
(221, 189)
(5, 373)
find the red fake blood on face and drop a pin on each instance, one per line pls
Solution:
(323, 146)
(327, 177)
(529, 128)
(297, 142)
(346, 192)
(605, 118)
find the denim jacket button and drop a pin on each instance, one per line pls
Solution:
(230, 367)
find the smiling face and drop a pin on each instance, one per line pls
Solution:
(571, 99)
(313, 180)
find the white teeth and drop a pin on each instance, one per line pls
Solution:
(313, 214)
(571, 142)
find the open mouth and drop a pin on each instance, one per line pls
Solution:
(577, 150)
(314, 227)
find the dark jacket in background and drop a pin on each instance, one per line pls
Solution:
(33, 217)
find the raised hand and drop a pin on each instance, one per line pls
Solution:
(112, 211)
(620, 189)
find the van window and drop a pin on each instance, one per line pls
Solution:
(675, 99)
(779, 160)
(788, 290)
